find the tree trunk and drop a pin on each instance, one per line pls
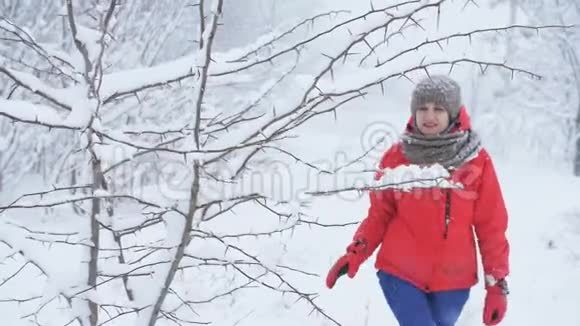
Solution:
(95, 230)
(577, 141)
(1, 173)
(510, 48)
(575, 63)
(180, 252)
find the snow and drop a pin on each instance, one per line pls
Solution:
(174, 228)
(29, 112)
(83, 109)
(128, 81)
(58, 280)
(79, 117)
(109, 154)
(91, 40)
(407, 177)
(403, 178)
(215, 5)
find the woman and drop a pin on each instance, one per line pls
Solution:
(427, 259)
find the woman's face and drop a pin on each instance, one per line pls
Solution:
(432, 119)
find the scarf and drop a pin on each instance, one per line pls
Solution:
(450, 150)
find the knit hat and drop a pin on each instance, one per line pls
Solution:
(438, 89)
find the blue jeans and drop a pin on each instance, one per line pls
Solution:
(413, 307)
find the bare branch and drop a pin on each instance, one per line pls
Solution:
(246, 197)
(20, 300)
(466, 34)
(62, 242)
(42, 193)
(119, 276)
(305, 101)
(184, 241)
(44, 272)
(50, 233)
(72, 199)
(297, 270)
(143, 152)
(14, 274)
(385, 42)
(220, 295)
(121, 314)
(145, 224)
(361, 38)
(297, 159)
(423, 67)
(290, 288)
(280, 36)
(226, 209)
(55, 61)
(98, 72)
(201, 8)
(307, 113)
(111, 96)
(313, 38)
(157, 148)
(238, 117)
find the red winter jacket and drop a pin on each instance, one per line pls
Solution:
(416, 244)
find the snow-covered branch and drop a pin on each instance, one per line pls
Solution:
(203, 63)
(127, 82)
(32, 259)
(59, 97)
(402, 178)
(79, 42)
(26, 112)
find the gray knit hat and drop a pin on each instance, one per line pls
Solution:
(440, 90)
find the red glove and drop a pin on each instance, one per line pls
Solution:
(495, 303)
(349, 263)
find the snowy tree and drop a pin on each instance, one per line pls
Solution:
(541, 116)
(154, 144)
(18, 156)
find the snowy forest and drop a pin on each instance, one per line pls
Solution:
(203, 162)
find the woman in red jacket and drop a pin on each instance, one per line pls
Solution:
(427, 258)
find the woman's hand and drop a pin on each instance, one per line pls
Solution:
(495, 303)
(356, 254)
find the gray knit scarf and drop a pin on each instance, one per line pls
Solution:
(450, 150)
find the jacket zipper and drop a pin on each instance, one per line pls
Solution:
(447, 212)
